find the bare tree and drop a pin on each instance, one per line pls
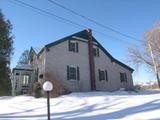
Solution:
(24, 58)
(149, 53)
(59, 88)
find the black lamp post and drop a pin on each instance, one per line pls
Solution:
(48, 86)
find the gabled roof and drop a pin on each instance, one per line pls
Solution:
(111, 57)
(35, 50)
(83, 35)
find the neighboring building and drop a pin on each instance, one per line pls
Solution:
(80, 63)
(22, 79)
(34, 61)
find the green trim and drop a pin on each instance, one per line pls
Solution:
(110, 56)
(79, 34)
(21, 69)
(83, 34)
(124, 65)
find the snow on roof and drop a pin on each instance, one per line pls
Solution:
(23, 66)
(37, 50)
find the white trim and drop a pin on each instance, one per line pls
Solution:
(73, 66)
(79, 38)
(73, 41)
(82, 39)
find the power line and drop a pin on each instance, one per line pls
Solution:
(91, 20)
(64, 19)
(115, 38)
(49, 13)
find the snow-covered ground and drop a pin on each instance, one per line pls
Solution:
(84, 106)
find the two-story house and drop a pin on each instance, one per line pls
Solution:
(80, 63)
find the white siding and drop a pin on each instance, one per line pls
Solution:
(53, 64)
(41, 66)
(104, 62)
(57, 59)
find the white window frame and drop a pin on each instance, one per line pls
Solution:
(25, 79)
(77, 77)
(96, 53)
(76, 48)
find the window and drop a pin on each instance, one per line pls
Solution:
(41, 76)
(72, 73)
(25, 79)
(103, 75)
(73, 46)
(17, 74)
(123, 77)
(96, 52)
(106, 74)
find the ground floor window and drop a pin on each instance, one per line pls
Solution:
(73, 73)
(123, 77)
(103, 75)
(25, 79)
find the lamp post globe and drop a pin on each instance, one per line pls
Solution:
(47, 86)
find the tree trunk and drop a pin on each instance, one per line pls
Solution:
(158, 80)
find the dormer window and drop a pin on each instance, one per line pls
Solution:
(73, 46)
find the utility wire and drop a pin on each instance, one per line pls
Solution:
(49, 13)
(64, 19)
(91, 20)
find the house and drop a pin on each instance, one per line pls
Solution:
(22, 79)
(80, 63)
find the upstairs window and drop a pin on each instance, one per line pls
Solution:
(72, 73)
(103, 75)
(96, 51)
(123, 77)
(73, 46)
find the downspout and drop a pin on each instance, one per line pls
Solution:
(91, 60)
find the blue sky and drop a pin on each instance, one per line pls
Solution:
(131, 17)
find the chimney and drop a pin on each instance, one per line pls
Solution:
(91, 60)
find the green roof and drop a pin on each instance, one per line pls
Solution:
(83, 34)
